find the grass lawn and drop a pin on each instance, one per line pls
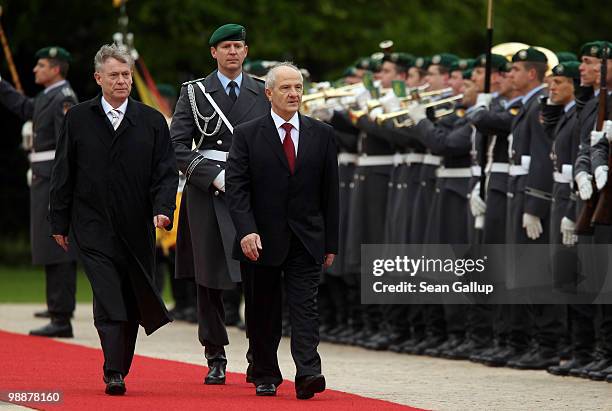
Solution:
(26, 284)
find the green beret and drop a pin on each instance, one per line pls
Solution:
(227, 32)
(54, 52)
(444, 59)
(402, 59)
(531, 55)
(375, 61)
(166, 90)
(567, 69)
(258, 67)
(498, 62)
(566, 56)
(467, 74)
(422, 62)
(462, 64)
(349, 72)
(594, 48)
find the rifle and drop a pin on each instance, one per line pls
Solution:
(603, 211)
(9, 58)
(594, 206)
(487, 89)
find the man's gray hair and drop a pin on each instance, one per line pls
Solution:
(112, 50)
(271, 75)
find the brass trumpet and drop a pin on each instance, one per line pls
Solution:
(393, 116)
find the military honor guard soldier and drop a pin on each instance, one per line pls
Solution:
(206, 112)
(47, 111)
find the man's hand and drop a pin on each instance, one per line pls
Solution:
(251, 244)
(532, 225)
(160, 221)
(416, 112)
(583, 182)
(61, 240)
(329, 260)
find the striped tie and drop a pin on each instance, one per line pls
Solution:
(116, 115)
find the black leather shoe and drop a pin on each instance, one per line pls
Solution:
(307, 387)
(265, 390)
(503, 357)
(464, 351)
(114, 384)
(429, 342)
(487, 353)
(42, 314)
(385, 341)
(609, 378)
(216, 374)
(59, 329)
(601, 375)
(451, 343)
(564, 369)
(597, 364)
(539, 360)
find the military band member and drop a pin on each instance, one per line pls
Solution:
(206, 112)
(47, 111)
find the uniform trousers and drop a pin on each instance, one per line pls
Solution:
(61, 289)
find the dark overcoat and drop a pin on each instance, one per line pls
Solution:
(107, 186)
(206, 232)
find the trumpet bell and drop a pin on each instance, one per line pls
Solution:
(509, 49)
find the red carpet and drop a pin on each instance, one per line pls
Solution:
(35, 363)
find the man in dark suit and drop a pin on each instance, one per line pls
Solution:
(114, 180)
(282, 192)
(46, 111)
(206, 233)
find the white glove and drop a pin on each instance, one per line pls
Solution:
(484, 100)
(375, 112)
(532, 225)
(362, 97)
(607, 128)
(596, 136)
(390, 102)
(583, 182)
(323, 113)
(27, 136)
(416, 112)
(219, 181)
(601, 177)
(29, 177)
(477, 204)
(568, 230)
(479, 222)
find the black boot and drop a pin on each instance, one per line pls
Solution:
(216, 365)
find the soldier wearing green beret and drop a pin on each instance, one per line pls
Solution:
(206, 112)
(457, 69)
(564, 56)
(417, 72)
(592, 164)
(46, 111)
(438, 72)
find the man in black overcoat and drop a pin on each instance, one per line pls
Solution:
(282, 180)
(114, 180)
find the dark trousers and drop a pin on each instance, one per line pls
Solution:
(118, 338)
(231, 303)
(61, 289)
(211, 324)
(263, 299)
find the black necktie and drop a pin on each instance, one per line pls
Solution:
(232, 94)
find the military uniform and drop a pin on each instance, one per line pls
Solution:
(206, 233)
(46, 111)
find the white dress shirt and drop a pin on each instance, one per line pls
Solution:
(54, 86)
(295, 131)
(108, 110)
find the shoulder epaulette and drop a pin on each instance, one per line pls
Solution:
(193, 81)
(67, 92)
